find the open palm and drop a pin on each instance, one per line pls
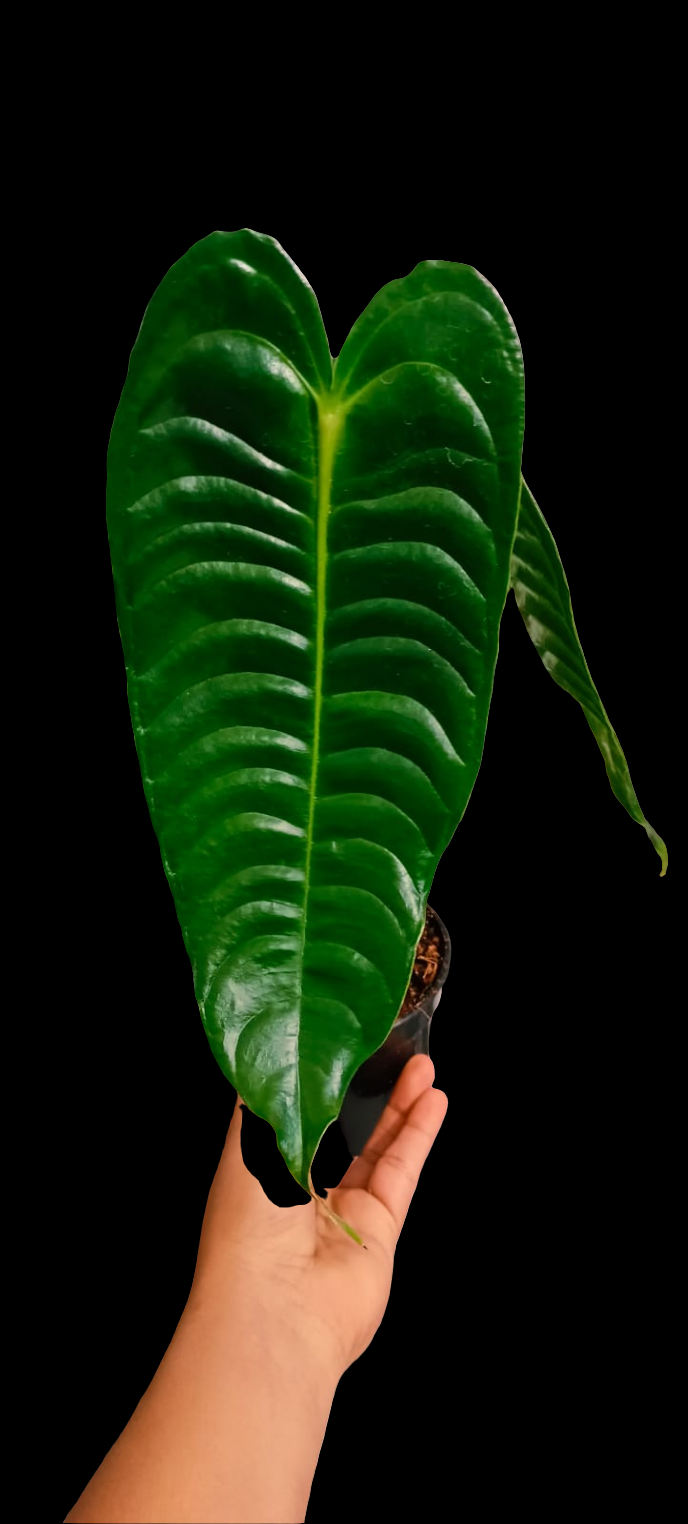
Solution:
(291, 1266)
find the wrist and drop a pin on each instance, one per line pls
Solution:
(270, 1393)
(230, 1428)
(297, 1351)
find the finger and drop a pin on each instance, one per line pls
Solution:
(234, 1129)
(239, 1192)
(231, 1158)
(416, 1077)
(233, 1180)
(395, 1176)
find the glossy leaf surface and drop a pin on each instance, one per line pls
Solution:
(543, 597)
(310, 568)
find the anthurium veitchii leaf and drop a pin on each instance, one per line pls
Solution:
(543, 597)
(310, 563)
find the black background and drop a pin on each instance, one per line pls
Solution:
(529, 1314)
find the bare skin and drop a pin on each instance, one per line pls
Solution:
(282, 1303)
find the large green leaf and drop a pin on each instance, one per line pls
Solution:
(543, 597)
(310, 566)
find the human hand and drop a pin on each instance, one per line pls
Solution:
(290, 1268)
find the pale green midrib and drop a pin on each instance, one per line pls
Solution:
(330, 420)
(329, 427)
(345, 403)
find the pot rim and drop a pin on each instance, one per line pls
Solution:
(437, 983)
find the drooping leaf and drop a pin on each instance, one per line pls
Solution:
(310, 565)
(543, 597)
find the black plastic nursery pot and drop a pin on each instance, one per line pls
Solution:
(372, 1084)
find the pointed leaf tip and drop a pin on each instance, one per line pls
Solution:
(334, 1216)
(659, 847)
(339, 1221)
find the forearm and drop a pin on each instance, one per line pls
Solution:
(229, 1430)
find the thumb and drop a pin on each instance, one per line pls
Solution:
(232, 1179)
(233, 1200)
(233, 1138)
(232, 1160)
(237, 1190)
